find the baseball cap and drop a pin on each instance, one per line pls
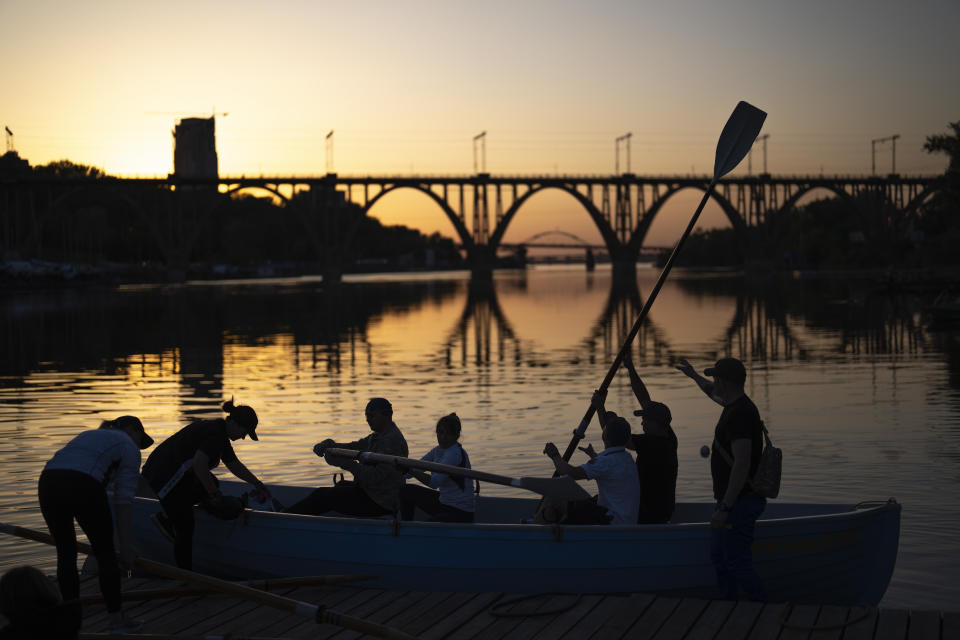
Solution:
(728, 369)
(656, 411)
(246, 417)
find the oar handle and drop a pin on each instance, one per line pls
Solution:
(581, 430)
(319, 614)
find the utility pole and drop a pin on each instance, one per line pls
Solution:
(750, 154)
(625, 137)
(873, 152)
(482, 138)
(329, 147)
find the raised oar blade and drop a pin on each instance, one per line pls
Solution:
(737, 137)
(561, 488)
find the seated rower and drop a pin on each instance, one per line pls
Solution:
(376, 490)
(613, 468)
(450, 498)
(656, 451)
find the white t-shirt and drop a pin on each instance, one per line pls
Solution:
(450, 492)
(105, 455)
(619, 487)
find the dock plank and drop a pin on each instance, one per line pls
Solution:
(450, 626)
(303, 628)
(767, 624)
(480, 620)
(618, 624)
(799, 623)
(892, 625)
(557, 625)
(950, 625)
(609, 606)
(740, 621)
(401, 601)
(711, 620)
(682, 619)
(831, 623)
(523, 618)
(328, 596)
(860, 626)
(647, 625)
(924, 625)
(444, 609)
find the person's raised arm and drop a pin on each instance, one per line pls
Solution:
(687, 369)
(639, 389)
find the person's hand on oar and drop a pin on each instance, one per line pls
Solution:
(589, 450)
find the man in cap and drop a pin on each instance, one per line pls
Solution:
(376, 490)
(738, 437)
(618, 488)
(656, 451)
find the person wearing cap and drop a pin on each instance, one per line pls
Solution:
(376, 490)
(72, 487)
(738, 433)
(179, 472)
(656, 451)
(618, 488)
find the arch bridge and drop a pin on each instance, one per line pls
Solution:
(481, 207)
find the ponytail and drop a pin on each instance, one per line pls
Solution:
(108, 424)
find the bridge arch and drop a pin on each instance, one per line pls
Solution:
(606, 232)
(461, 229)
(643, 226)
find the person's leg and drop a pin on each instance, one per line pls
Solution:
(178, 505)
(413, 496)
(718, 555)
(56, 506)
(94, 517)
(739, 540)
(349, 500)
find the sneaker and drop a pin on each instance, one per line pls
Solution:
(124, 625)
(163, 524)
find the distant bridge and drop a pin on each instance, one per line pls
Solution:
(481, 207)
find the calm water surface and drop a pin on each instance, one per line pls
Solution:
(859, 385)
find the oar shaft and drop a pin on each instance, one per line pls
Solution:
(427, 466)
(579, 433)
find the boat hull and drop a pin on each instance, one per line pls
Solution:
(804, 553)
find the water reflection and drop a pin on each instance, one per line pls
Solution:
(857, 386)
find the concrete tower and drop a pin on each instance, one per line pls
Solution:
(195, 148)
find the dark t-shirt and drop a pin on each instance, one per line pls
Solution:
(209, 436)
(657, 469)
(739, 420)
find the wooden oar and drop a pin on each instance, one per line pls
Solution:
(735, 141)
(561, 488)
(263, 585)
(318, 613)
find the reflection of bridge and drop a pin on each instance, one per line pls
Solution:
(760, 330)
(480, 207)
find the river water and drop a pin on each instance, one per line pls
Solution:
(858, 384)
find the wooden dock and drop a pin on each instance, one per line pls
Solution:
(465, 616)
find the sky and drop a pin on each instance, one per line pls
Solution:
(405, 86)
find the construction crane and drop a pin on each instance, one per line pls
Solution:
(329, 145)
(873, 152)
(482, 139)
(9, 138)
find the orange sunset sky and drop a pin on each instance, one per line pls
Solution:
(406, 86)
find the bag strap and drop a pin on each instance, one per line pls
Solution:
(729, 460)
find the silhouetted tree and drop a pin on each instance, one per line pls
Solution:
(68, 169)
